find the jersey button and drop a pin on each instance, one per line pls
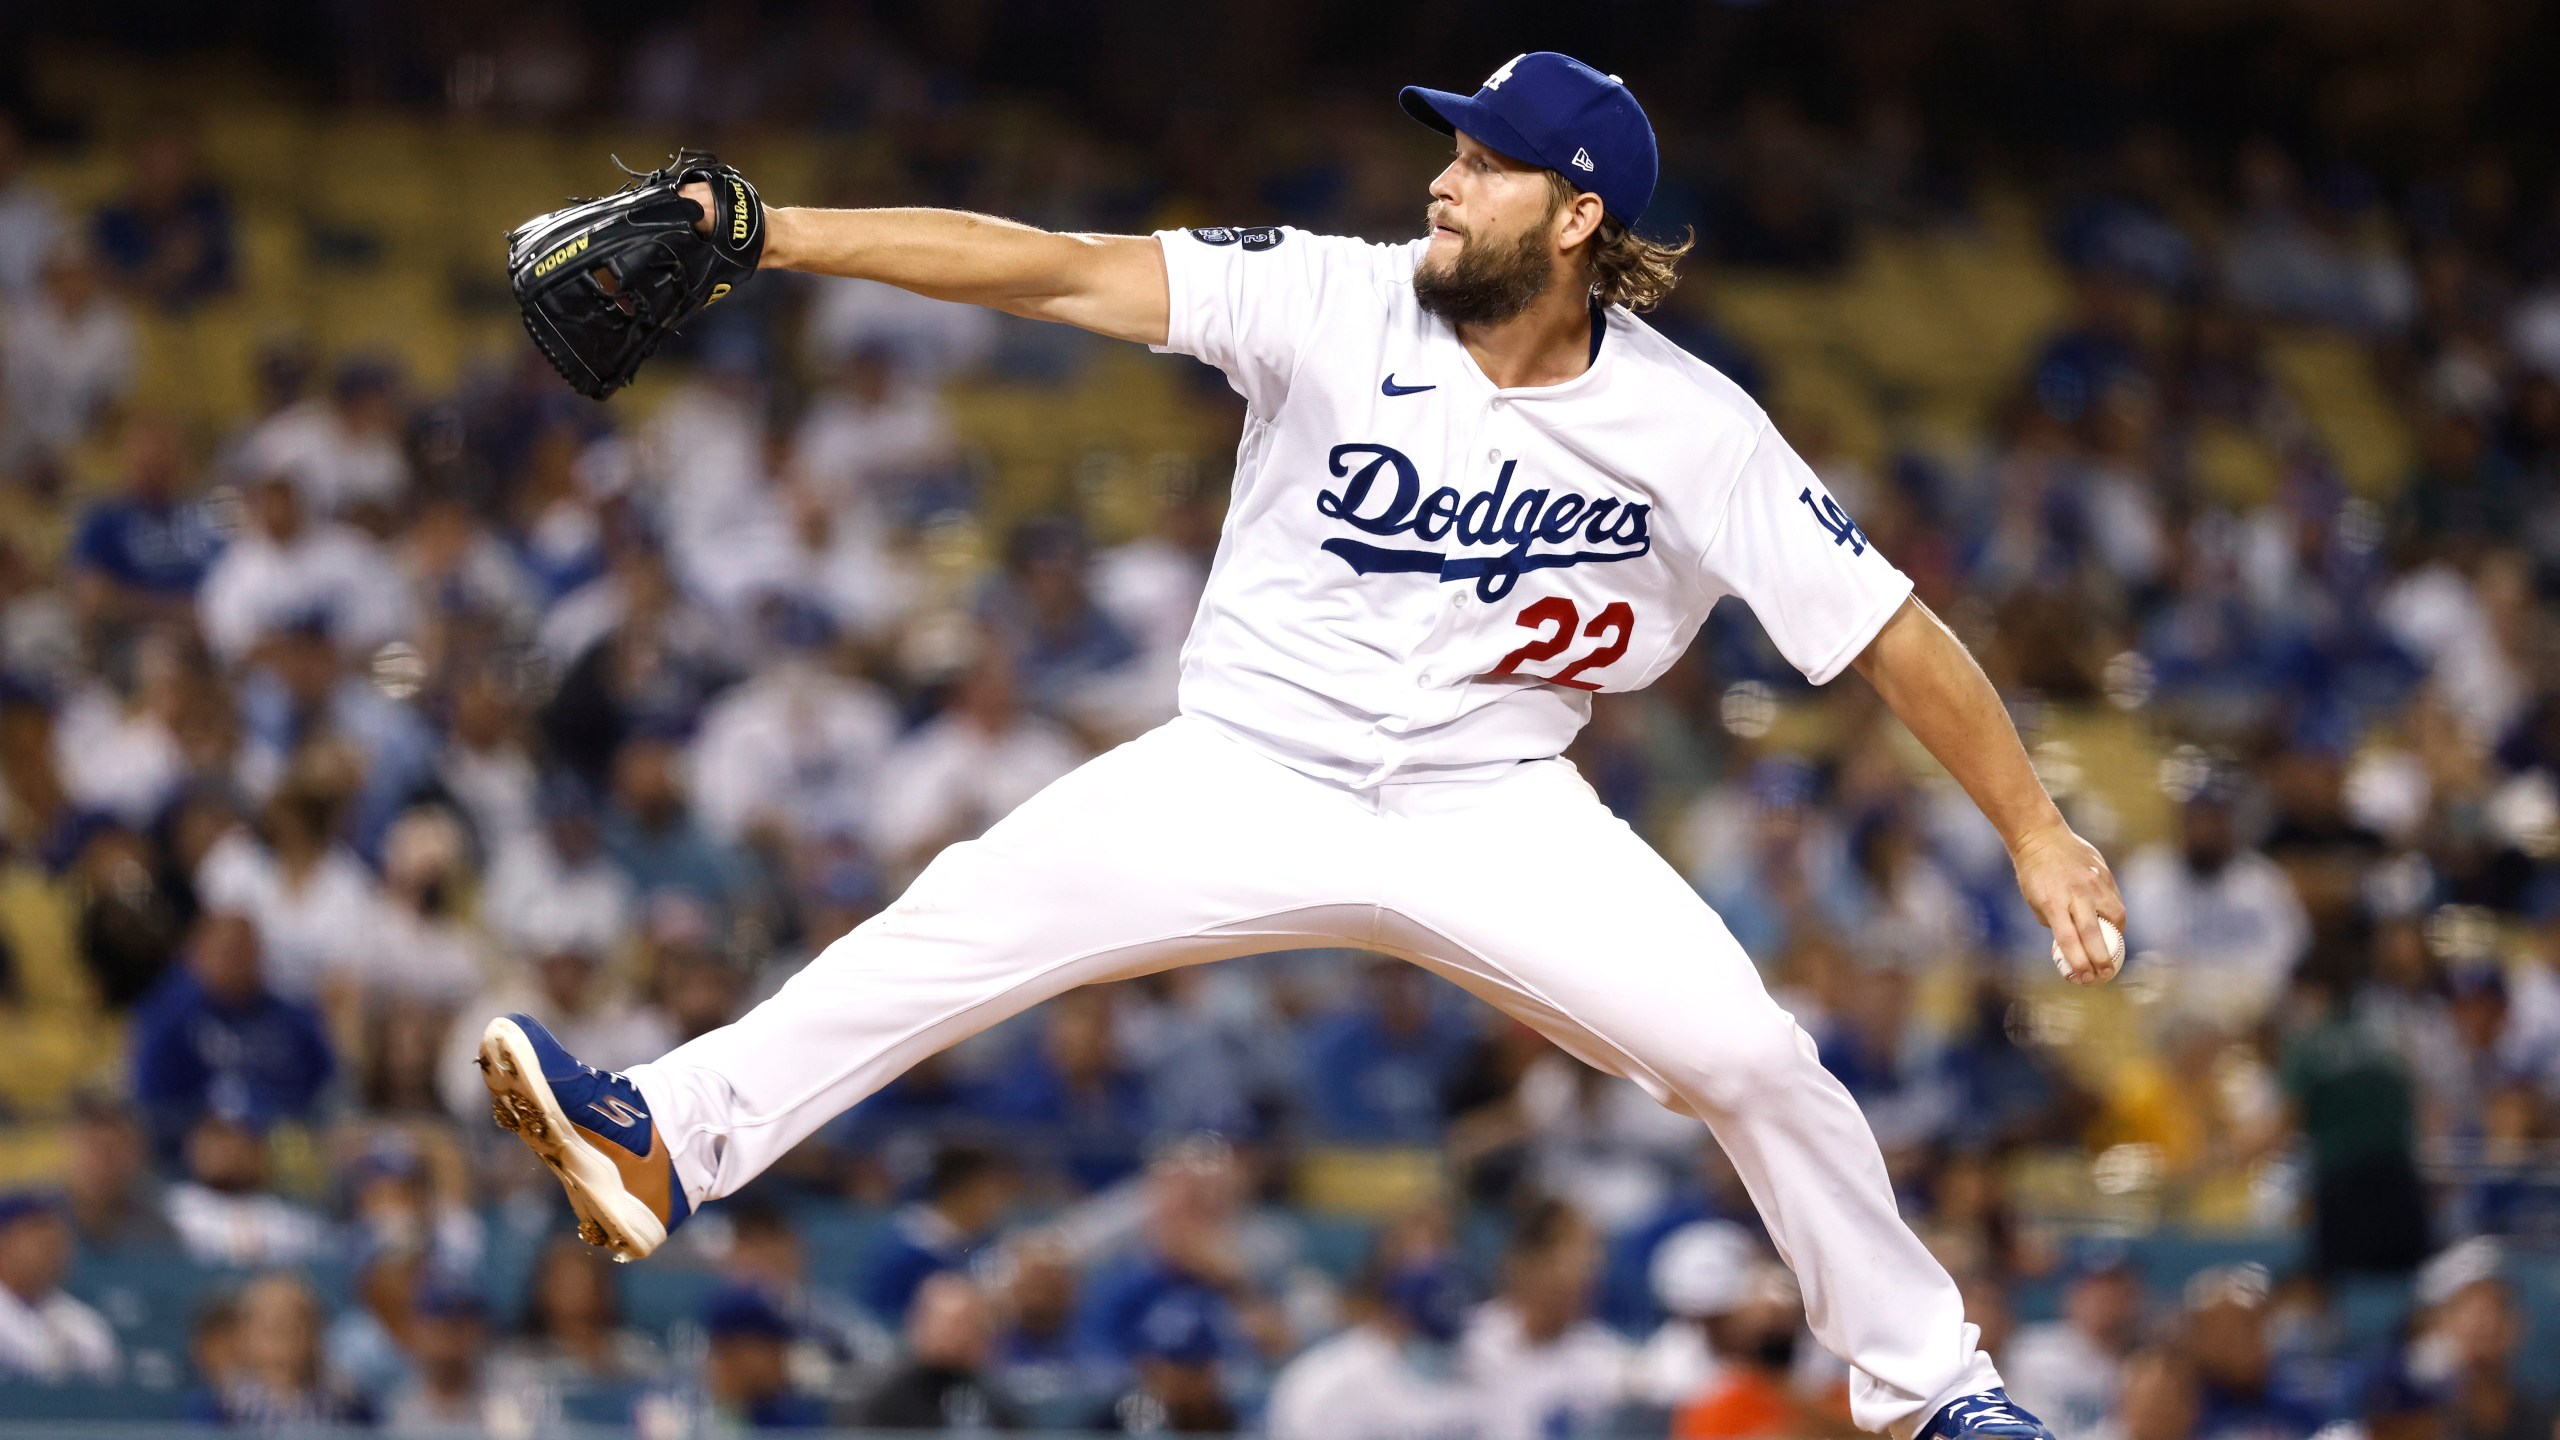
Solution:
(1494, 455)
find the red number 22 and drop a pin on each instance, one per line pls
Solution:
(1618, 622)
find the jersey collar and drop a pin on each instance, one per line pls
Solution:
(1599, 332)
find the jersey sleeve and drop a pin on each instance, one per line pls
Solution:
(1246, 300)
(1815, 581)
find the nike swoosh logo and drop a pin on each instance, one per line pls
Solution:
(1392, 388)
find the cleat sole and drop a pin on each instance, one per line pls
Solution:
(610, 1217)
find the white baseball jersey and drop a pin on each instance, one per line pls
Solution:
(1424, 575)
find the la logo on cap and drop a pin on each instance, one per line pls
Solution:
(1494, 81)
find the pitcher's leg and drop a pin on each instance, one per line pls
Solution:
(1176, 848)
(1543, 903)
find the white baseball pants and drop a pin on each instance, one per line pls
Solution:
(1186, 846)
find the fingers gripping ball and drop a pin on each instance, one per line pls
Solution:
(2115, 951)
(602, 282)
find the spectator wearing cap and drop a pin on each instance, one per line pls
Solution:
(167, 238)
(966, 768)
(965, 1194)
(1179, 1390)
(945, 1384)
(448, 1398)
(1543, 1364)
(140, 555)
(224, 1213)
(791, 754)
(344, 453)
(746, 1369)
(2070, 1369)
(486, 762)
(1393, 1374)
(2222, 916)
(213, 1038)
(286, 565)
(1698, 1272)
(46, 1334)
(2243, 1393)
(2465, 1339)
(370, 1342)
(1752, 1340)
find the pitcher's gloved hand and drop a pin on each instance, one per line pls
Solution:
(602, 282)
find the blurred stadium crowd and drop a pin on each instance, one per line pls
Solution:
(353, 690)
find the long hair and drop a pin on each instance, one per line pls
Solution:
(1626, 268)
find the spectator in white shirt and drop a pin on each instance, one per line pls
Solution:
(793, 753)
(968, 768)
(932, 339)
(116, 743)
(2069, 1370)
(419, 952)
(344, 454)
(313, 902)
(486, 765)
(1542, 1364)
(286, 566)
(873, 424)
(1699, 1272)
(30, 218)
(66, 354)
(1394, 1374)
(46, 1334)
(553, 886)
(2222, 920)
(223, 1212)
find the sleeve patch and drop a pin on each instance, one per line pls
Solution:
(1257, 237)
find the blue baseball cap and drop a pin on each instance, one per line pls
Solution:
(1555, 112)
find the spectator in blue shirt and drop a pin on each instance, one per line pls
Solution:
(141, 555)
(1071, 1094)
(747, 1371)
(968, 1191)
(168, 239)
(214, 1038)
(1377, 1073)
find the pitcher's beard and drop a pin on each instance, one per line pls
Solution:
(1487, 284)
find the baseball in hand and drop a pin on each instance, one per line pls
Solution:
(2115, 951)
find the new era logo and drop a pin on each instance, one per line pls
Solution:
(1582, 159)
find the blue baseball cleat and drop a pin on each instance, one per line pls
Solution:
(592, 1128)
(1991, 1415)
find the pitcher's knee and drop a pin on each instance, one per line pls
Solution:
(1769, 1052)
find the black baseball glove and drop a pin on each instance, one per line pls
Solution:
(602, 281)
